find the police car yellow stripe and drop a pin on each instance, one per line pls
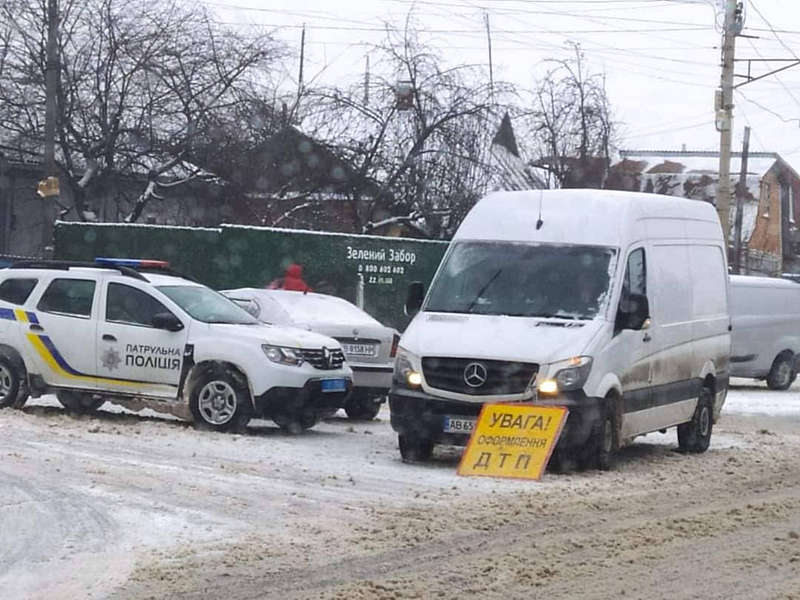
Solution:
(52, 357)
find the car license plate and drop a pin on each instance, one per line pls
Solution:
(359, 349)
(334, 385)
(458, 424)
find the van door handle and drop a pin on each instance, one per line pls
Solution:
(36, 327)
(109, 338)
(646, 337)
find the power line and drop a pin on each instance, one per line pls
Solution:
(697, 125)
(767, 109)
(772, 29)
(778, 79)
(470, 31)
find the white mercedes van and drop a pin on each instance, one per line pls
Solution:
(766, 329)
(613, 304)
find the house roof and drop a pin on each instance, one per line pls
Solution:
(290, 159)
(694, 174)
(510, 171)
(699, 161)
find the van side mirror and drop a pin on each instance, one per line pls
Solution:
(414, 298)
(636, 313)
(168, 321)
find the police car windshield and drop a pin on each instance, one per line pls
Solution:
(527, 280)
(206, 305)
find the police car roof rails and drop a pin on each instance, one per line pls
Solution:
(65, 265)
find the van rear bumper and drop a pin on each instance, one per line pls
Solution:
(415, 413)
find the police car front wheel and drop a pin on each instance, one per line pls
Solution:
(219, 401)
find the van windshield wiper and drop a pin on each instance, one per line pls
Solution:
(483, 290)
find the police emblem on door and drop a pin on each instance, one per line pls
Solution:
(111, 359)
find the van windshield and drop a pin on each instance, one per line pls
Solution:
(525, 280)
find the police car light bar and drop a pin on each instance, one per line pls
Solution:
(132, 263)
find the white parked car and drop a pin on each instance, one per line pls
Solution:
(765, 313)
(126, 329)
(368, 346)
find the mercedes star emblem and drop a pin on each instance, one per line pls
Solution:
(475, 375)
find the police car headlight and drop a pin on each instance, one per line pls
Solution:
(283, 356)
(404, 372)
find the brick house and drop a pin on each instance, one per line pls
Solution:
(770, 237)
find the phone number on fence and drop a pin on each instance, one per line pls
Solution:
(382, 269)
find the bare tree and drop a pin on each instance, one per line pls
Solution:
(416, 138)
(140, 80)
(571, 125)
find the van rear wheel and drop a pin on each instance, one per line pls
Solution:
(782, 373)
(695, 436)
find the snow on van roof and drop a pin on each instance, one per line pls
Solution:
(584, 216)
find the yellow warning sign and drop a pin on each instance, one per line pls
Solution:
(513, 440)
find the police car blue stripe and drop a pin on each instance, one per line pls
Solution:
(58, 358)
(8, 314)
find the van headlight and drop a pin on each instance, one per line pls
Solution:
(283, 356)
(404, 372)
(569, 375)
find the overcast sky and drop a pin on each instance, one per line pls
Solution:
(661, 57)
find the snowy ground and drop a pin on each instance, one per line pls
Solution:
(750, 397)
(141, 506)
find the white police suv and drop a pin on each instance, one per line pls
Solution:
(126, 330)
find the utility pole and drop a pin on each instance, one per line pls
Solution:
(296, 108)
(741, 192)
(366, 82)
(51, 82)
(49, 187)
(491, 63)
(724, 108)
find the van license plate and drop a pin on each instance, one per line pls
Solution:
(458, 424)
(334, 385)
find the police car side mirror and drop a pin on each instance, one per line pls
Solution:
(167, 321)
(414, 298)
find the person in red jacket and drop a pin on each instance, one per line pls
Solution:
(292, 280)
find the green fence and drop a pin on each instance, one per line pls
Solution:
(238, 256)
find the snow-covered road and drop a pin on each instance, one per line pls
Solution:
(140, 506)
(750, 397)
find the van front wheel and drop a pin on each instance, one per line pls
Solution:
(599, 450)
(695, 436)
(414, 449)
(782, 373)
